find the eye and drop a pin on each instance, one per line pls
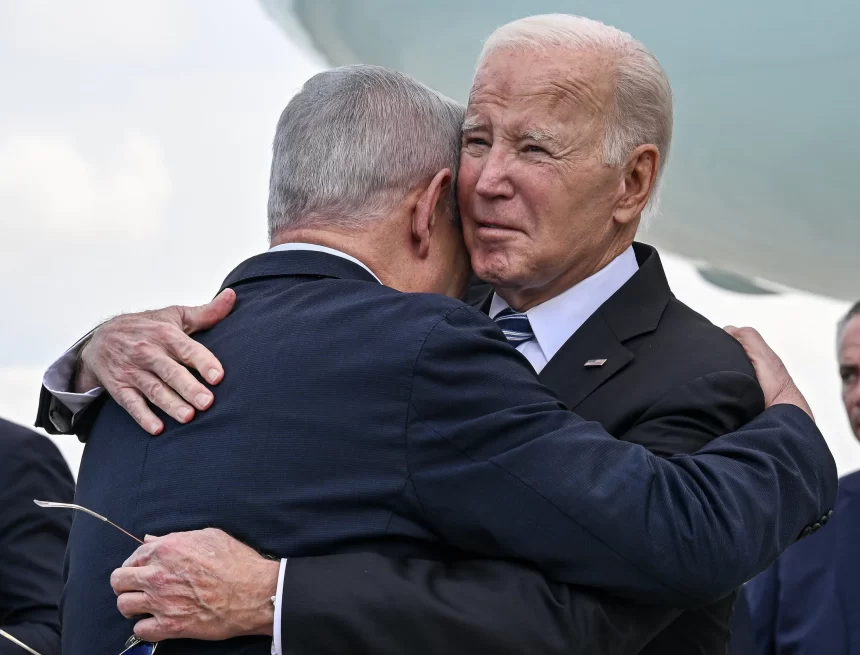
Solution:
(534, 149)
(476, 141)
(848, 374)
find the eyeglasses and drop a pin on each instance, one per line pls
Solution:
(3, 633)
(134, 645)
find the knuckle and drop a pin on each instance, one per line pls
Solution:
(158, 579)
(138, 350)
(185, 349)
(171, 625)
(165, 331)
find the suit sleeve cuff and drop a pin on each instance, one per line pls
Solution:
(276, 640)
(58, 380)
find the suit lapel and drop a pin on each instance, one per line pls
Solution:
(566, 373)
(635, 309)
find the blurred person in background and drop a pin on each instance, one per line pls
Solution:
(32, 541)
(808, 602)
(566, 137)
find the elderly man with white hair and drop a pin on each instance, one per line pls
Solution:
(565, 139)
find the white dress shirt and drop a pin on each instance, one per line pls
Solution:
(59, 377)
(555, 320)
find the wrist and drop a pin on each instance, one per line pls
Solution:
(84, 379)
(265, 587)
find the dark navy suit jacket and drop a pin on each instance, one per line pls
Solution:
(32, 540)
(356, 418)
(808, 603)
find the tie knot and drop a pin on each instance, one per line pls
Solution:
(515, 325)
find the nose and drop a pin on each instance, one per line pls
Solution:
(494, 181)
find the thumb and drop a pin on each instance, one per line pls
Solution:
(148, 538)
(205, 316)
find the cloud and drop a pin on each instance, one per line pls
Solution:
(48, 186)
(92, 28)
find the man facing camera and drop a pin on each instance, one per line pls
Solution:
(32, 542)
(807, 603)
(565, 140)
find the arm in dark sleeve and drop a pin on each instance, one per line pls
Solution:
(32, 544)
(374, 604)
(500, 468)
(364, 603)
(55, 418)
(690, 416)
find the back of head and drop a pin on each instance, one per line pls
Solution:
(642, 104)
(353, 142)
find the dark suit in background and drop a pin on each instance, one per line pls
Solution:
(808, 603)
(356, 418)
(672, 382)
(32, 540)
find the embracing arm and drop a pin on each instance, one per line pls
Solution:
(138, 359)
(500, 468)
(366, 603)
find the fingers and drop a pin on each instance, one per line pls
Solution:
(189, 388)
(162, 396)
(132, 401)
(198, 357)
(205, 316)
(151, 629)
(131, 578)
(133, 603)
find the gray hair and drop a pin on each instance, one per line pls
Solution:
(642, 103)
(353, 142)
(843, 322)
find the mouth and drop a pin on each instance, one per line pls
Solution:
(493, 230)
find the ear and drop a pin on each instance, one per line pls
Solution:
(640, 178)
(429, 203)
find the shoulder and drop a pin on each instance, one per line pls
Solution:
(20, 443)
(705, 348)
(28, 458)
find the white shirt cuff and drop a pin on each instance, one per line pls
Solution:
(59, 378)
(276, 641)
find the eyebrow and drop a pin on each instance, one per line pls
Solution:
(472, 124)
(536, 134)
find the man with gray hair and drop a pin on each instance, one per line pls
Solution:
(566, 135)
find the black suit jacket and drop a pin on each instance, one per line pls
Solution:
(32, 540)
(672, 382)
(356, 418)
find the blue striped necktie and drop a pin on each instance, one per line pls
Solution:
(515, 325)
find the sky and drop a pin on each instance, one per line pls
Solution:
(134, 157)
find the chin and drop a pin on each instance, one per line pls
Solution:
(495, 269)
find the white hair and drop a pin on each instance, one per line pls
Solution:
(353, 142)
(642, 103)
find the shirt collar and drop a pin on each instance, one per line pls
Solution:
(555, 320)
(317, 248)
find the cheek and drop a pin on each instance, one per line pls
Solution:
(467, 178)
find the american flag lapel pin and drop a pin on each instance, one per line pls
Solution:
(594, 363)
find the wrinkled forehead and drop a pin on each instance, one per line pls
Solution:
(557, 86)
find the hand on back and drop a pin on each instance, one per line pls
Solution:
(147, 356)
(775, 381)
